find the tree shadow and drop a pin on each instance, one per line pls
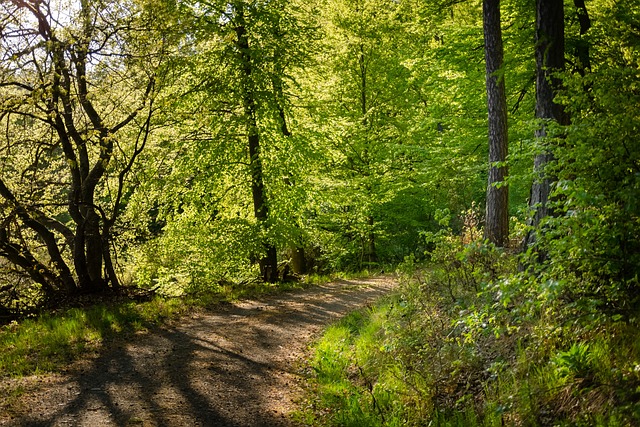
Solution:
(223, 368)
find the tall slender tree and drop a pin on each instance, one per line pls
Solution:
(550, 49)
(497, 210)
(363, 103)
(582, 48)
(269, 261)
(240, 156)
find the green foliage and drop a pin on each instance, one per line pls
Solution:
(476, 263)
(575, 362)
(511, 353)
(406, 360)
(398, 115)
(205, 230)
(187, 259)
(372, 123)
(592, 242)
(74, 127)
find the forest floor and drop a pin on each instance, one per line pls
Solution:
(234, 365)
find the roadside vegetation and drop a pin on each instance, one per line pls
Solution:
(467, 341)
(159, 156)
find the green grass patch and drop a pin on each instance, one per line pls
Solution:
(50, 341)
(347, 385)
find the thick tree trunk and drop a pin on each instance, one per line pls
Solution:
(87, 142)
(88, 255)
(550, 50)
(497, 210)
(94, 251)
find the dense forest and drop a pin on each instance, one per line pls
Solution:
(487, 151)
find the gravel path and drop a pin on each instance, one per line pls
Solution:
(237, 365)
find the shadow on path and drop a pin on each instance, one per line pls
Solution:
(230, 367)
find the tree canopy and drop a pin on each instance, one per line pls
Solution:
(187, 145)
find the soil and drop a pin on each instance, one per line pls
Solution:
(235, 365)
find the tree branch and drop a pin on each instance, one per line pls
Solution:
(64, 278)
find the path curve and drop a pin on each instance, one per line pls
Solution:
(234, 366)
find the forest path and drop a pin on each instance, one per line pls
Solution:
(236, 365)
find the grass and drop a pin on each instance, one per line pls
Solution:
(49, 342)
(344, 375)
(422, 358)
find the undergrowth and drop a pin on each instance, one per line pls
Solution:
(469, 341)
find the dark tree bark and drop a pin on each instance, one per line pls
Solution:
(371, 252)
(78, 127)
(58, 278)
(299, 260)
(550, 49)
(497, 210)
(582, 49)
(269, 262)
(369, 249)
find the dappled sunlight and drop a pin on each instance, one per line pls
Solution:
(233, 366)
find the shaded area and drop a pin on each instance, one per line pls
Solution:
(232, 367)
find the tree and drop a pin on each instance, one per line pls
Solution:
(368, 171)
(549, 62)
(497, 210)
(269, 261)
(582, 47)
(76, 106)
(593, 238)
(230, 190)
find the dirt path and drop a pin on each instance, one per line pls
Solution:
(235, 366)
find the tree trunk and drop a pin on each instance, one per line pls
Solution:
(582, 48)
(497, 209)
(94, 252)
(298, 260)
(369, 243)
(65, 104)
(55, 279)
(372, 255)
(549, 60)
(269, 262)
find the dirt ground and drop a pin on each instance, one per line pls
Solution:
(237, 365)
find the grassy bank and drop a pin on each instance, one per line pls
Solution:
(468, 342)
(50, 341)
